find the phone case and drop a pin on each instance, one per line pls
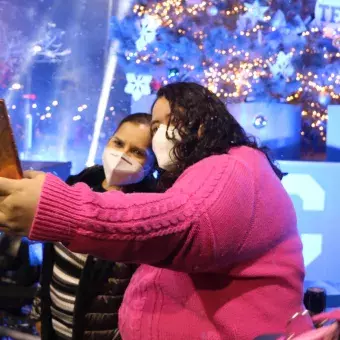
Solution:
(10, 166)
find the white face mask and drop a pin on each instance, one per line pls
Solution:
(163, 147)
(121, 169)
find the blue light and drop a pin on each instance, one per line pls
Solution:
(260, 122)
(324, 99)
(36, 254)
(212, 11)
(173, 73)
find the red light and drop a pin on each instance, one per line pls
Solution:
(30, 96)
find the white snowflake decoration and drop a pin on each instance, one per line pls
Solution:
(50, 48)
(255, 13)
(279, 20)
(138, 85)
(299, 25)
(148, 29)
(283, 66)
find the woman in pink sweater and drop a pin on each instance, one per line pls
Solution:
(220, 254)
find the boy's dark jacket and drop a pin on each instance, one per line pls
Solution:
(102, 284)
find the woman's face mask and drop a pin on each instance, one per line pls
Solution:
(120, 169)
(163, 147)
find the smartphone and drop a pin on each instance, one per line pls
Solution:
(10, 166)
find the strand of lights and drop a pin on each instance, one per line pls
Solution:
(163, 9)
(258, 62)
(48, 114)
(325, 32)
(235, 79)
(319, 116)
(328, 83)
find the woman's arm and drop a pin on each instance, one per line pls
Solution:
(178, 228)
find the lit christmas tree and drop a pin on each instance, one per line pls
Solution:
(241, 50)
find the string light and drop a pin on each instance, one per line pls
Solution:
(235, 80)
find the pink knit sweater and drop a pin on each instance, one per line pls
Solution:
(221, 255)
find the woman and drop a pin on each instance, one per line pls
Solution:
(80, 295)
(220, 251)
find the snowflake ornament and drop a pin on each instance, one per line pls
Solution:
(279, 20)
(148, 29)
(138, 85)
(50, 48)
(255, 13)
(298, 25)
(283, 66)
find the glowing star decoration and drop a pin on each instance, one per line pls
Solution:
(255, 13)
(138, 85)
(283, 66)
(148, 29)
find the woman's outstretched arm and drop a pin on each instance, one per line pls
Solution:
(187, 228)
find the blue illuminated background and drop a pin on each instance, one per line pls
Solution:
(52, 65)
(66, 87)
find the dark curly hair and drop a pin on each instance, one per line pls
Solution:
(206, 128)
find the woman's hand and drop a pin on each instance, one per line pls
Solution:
(18, 202)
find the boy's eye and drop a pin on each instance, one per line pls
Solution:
(154, 129)
(138, 153)
(118, 143)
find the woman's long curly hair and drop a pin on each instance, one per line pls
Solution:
(206, 128)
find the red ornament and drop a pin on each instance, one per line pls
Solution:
(155, 85)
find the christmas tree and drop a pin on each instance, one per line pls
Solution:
(283, 51)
